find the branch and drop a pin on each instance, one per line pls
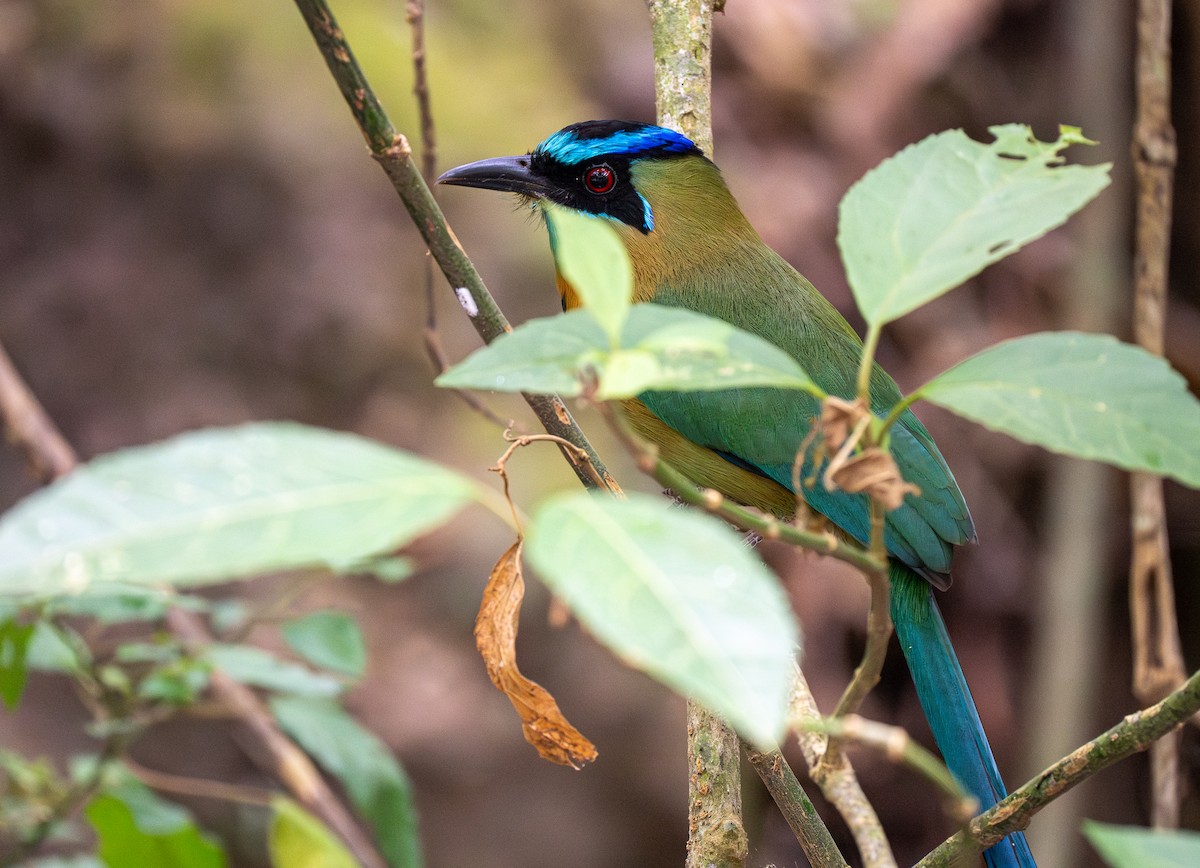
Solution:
(681, 31)
(29, 428)
(202, 788)
(682, 36)
(391, 150)
(801, 815)
(1135, 733)
(1158, 661)
(716, 834)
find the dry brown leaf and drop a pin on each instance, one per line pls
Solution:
(874, 471)
(839, 418)
(496, 636)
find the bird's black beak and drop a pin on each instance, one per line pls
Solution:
(506, 174)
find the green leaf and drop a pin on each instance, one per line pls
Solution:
(300, 840)
(137, 828)
(676, 594)
(178, 682)
(56, 648)
(662, 348)
(14, 646)
(328, 639)
(543, 356)
(672, 349)
(942, 210)
(389, 570)
(1089, 396)
(591, 257)
(220, 503)
(254, 666)
(375, 782)
(1134, 847)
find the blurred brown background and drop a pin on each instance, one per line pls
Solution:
(191, 233)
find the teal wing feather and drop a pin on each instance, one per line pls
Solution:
(764, 428)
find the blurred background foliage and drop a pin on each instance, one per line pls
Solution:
(191, 234)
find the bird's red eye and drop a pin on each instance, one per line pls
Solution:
(600, 179)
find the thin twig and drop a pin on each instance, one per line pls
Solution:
(198, 787)
(1158, 660)
(837, 781)
(391, 150)
(879, 630)
(29, 428)
(897, 745)
(1135, 733)
(415, 15)
(518, 441)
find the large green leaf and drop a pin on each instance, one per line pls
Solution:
(592, 258)
(297, 839)
(221, 503)
(1134, 847)
(663, 348)
(1090, 396)
(942, 210)
(678, 595)
(375, 782)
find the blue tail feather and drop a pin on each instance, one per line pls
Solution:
(948, 706)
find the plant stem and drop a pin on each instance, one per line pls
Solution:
(867, 363)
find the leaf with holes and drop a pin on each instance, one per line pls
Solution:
(943, 209)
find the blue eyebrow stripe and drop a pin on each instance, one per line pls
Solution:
(565, 147)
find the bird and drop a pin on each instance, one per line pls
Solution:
(691, 247)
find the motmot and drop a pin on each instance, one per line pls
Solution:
(691, 247)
